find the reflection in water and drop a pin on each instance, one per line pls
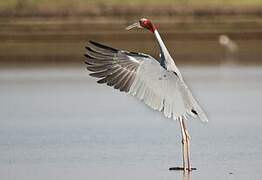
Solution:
(186, 176)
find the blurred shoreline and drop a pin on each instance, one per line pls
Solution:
(56, 33)
(32, 41)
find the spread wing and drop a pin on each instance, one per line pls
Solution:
(143, 77)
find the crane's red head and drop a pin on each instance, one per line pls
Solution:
(143, 23)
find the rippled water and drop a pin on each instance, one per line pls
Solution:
(58, 123)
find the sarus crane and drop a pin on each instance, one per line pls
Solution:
(159, 84)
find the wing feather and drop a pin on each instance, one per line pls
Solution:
(143, 77)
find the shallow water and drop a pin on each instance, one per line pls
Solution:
(58, 123)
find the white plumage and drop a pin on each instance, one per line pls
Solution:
(164, 91)
(159, 84)
(143, 77)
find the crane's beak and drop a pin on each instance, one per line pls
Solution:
(135, 25)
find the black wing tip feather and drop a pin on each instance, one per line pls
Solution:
(99, 45)
(88, 56)
(89, 49)
(100, 61)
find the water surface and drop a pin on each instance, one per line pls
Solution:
(58, 123)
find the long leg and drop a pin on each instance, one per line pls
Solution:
(186, 176)
(187, 145)
(184, 149)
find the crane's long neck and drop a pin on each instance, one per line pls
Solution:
(161, 44)
(166, 59)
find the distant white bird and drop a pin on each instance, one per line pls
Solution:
(158, 85)
(231, 49)
(228, 43)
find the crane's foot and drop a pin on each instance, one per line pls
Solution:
(180, 169)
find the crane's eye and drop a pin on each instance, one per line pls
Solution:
(144, 22)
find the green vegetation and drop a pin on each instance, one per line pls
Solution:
(98, 7)
(57, 3)
(78, 3)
